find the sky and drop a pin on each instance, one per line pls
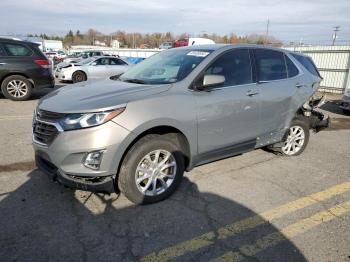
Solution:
(290, 20)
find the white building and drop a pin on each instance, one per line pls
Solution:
(115, 44)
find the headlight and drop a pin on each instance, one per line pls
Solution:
(77, 121)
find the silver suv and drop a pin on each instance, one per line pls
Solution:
(176, 110)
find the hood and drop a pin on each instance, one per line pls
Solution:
(94, 96)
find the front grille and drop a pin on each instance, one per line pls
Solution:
(50, 116)
(44, 133)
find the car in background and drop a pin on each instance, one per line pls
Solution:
(166, 45)
(193, 41)
(92, 68)
(81, 56)
(23, 67)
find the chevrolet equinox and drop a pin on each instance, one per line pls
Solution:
(176, 110)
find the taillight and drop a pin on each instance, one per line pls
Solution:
(43, 63)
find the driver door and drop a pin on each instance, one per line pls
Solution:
(228, 115)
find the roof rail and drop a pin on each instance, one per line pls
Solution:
(11, 37)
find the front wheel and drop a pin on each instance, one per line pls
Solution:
(79, 77)
(296, 140)
(151, 170)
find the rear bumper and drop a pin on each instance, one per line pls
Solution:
(104, 184)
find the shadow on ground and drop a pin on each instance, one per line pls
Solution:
(43, 221)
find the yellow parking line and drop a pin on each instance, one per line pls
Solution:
(207, 239)
(288, 232)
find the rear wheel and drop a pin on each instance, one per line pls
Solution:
(16, 88)
(79, 77)
(296, 139)
(151, 170)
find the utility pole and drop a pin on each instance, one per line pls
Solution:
(267, 30)
(336, 29)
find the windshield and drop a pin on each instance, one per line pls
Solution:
(166, 67)
(85, 61)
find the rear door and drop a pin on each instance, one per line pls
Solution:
(280, 84)
(17, 58)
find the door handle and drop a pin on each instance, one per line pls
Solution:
(298, 85)
(251, 93)
(2, 63)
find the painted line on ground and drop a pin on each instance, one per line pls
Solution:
(286, 233)
(231, 230)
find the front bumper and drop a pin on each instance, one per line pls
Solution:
(63, 158)
(345, 103)
(98, 184)
(63, 75)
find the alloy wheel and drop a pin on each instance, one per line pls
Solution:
(155, 172)
(17, 88)
(295, 141)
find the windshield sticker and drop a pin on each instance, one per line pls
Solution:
(198, 53)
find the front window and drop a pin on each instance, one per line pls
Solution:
(85, 61)
(166, 67)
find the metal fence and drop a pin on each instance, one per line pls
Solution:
(333, 62)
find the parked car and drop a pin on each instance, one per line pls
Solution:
(83, 55)
(92, 68)
(166, 45)
(193, 41)
(23, 67)
(176, 110)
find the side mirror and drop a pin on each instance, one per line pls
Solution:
(210, 81)
(93, 63)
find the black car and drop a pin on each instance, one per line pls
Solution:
(23, 67)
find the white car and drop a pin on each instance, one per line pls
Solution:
(92, 68)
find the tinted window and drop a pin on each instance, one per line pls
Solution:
(115, 61)
(291, 68)
(307, 63)
(17, 50)
(234, 66)
(270, 65)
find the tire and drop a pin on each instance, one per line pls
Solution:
(16, 88)
(346, 112)
(297, 141)
(79, 76)
(136, 160)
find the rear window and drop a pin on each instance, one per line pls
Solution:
(292, 70)
(307, 63)
(270, 65)
(17, 50)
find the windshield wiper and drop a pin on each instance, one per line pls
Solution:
(136, 81)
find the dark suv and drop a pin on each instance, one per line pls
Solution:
(23, 67)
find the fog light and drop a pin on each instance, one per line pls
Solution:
(93, 159)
